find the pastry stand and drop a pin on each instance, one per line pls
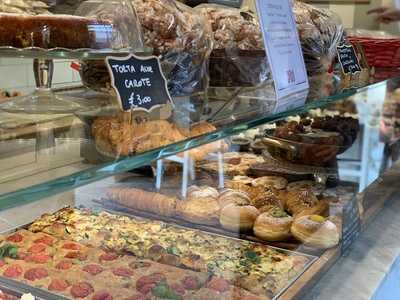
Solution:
(188, 170)
(43, 100)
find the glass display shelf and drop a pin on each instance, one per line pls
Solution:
(366, 122)
(43, 158)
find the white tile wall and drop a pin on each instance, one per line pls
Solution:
(17, 74)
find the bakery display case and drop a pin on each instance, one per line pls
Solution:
(224, 192)
(256, 210)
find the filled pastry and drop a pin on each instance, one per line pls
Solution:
(273, 225)
(315, 231)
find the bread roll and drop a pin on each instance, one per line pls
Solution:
(229, 196)
(276, 182)
(243, 179)
(321, 209)
(305, 185)
(300, 185)
(203, 192)
(238, 185)
(199, 210)
(273, 225)
(266, 198)
(315, 231)
(304, 202)
(238, 218)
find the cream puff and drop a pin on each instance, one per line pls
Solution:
(315, 231)
(273, 225)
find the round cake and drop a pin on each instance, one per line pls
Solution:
(54, 31)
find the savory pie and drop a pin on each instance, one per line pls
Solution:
(74, 270)
(257, 268)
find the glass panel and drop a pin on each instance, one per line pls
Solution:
(55, 153)
(246, 215)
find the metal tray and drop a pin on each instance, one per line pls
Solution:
(312, 258)
(18, 288)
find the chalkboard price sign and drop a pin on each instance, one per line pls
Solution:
(139, 82)
(351, 225)
(348, 59)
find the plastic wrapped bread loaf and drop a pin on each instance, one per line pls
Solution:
(233, 28)
(235, 31)
(238, 57)
(176, 33)
(320, 31)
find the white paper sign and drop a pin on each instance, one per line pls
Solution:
(282, 44)
(290, 102)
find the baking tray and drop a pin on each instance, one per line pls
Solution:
(290, 245)
(312, 258)
(16, 288)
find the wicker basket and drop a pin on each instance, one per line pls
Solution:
(379, 52)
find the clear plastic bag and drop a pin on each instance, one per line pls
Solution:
(238, 37)
(178, 35)
(238, 57)
(126, 32)
(390, 124)
(320, 31)
(232, 27)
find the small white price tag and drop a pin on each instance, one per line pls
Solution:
(282, 45)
